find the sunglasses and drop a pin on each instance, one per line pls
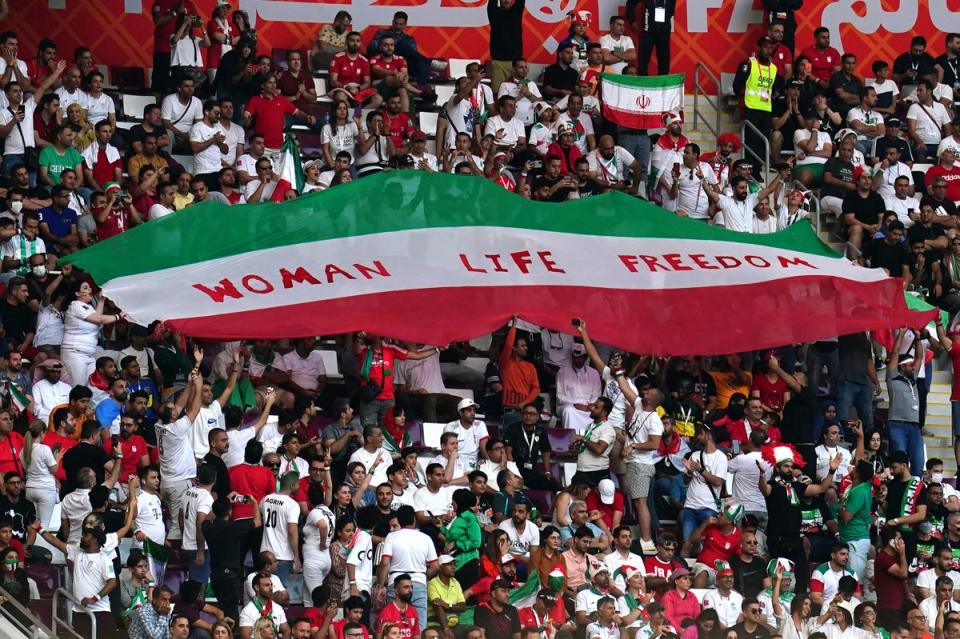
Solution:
(274, 466)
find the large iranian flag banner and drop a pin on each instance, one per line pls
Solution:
(435, 258)
(640, 102)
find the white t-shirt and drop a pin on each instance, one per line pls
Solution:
(367, 458)
(50, 332)
(158, 211)
(237, 439)
(541, 137)
(265, 194)
(208, 160)
(75, 507)
(345, 138)
(67, 98)
(882, 88)
(99, 109)
(91, 572)
(79, 334)
(930, 121)
(611, 389)
(468, 440)
(278, 511)
(208, 418)
(614, 169)
(735, 215)
(824, 455)
(181, 116)
(728, 608)
(746, 477)
(587, 460)
(249, 615)
(429, 158)
(405, 498)
(459, 466)
(691, 197)
(304, 371)
(768, 225)
(644, 425)
(620, 45)
(38, 472)
(312, 534)
(177, 461)
(802, 135)
(521, 543)
(361, 556)
(869, 118)
(235, 136)
(185, 52)
(20, 248)
(246, 163)
(14, 143)
(615, 561)
(434, 504)
(410, 551)
(196, 502)
(512, 130)
(699, 493)
(889, 178)
(582, 127)
(457, 112)
(149, 518)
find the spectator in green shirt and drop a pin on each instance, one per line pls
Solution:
(854, 516)
(462, 538)
(59, 156)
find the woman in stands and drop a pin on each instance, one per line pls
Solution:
(546, 559)
(498, 545)
(340, 134)
(358, 479)
(874, 454)
(339, 549)
(81, 328)
(374, 152)
(707, 626)
(866, 618)
(395, 435)
(561, 505)
(41, 464)
(462, 537)
(263, 629)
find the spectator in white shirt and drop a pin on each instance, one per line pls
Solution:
(614, 167)
(506, 128)
(867, 122)
(886, 173)
(178, 112)
(523, 90)
(618, 49)
(685, 191)
(164, 204)
(927, 122)
(208, 144)
(308, 376)
(902, 201)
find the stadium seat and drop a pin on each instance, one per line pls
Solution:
(128, 78)
(428, 123)
(543, 500)
(331, 365)
(431, 434)
(465, 393)
(458, 67)
(478, 364)
(186, 161)
(444, 93)
(560, 440)
(133, 105)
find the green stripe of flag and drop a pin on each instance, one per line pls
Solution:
(395, 201)
(644, 81)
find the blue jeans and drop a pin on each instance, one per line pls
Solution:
(293, 583)
(856, 395)
(907, 436)
(692, 517)
(198, 572)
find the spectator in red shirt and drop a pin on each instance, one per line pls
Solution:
(267, 114)
(399, 125)
(134, 447)
(46, 119)
(721, 541)
(824, 59)
(350, 75)
(782, 55)
(250, 478)
(377, 367)
(114, 212)
(949, 171)
(605, 505)
(44, 64)
(11, 445)
(891, 572)
(678, 602)
(296, 84)
(390, 72)
(101, 160)
(223, 37)
(769, 388)
(401, 612)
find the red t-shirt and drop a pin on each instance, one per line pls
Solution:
(116, 223)
(105, 171)
(133, 449)
(594, 503)
(771, 393)
(782, 56)
(269, 118)
(350, 71)
(716, 545)
(655, 567)
(289, 84)
(891, 591)
(36, 72)
(407, 620)
(395, 64)
(316, 617)
(383, 360)
(399, 127)
(952, 178)
(161, 34)
(10, 448)
(250, 480)
(215, 50)
(822, 62)
(52, 439)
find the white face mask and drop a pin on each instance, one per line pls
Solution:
(39, 271)
(16, 206)
(936, 478)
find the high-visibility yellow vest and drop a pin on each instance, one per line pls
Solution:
(759, 87)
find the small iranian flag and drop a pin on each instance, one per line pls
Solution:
(17, 398)
(639, 102)
(291, 169)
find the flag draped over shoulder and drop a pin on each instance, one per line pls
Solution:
(639, 102)
(436, 258)
(290, 168)
(520, 597)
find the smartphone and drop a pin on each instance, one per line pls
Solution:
(357, 111)
(56, 448)
(576, 322)
(736, 447)
(676, 167)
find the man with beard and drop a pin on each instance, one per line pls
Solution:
(110, 409)
(218, 444)
(736, 213)
(783, 495)
(937, 512)
(350, 73)
(150, 532)
(229, 187)
(133, 446)
(401, 611)
(906, 497)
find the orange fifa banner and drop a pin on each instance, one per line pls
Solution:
(719, 33)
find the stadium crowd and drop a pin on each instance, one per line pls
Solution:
(243, 489)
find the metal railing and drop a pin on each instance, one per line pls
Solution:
(713, 100)
(816, 215)
(750, 154)
(63, 627)
(36, 629)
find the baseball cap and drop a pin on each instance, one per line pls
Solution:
(892, 121)
(764, 39)
(579, 349)
(222, 3)
(507, 559)
(466, 403)
(500, 583)
(607, 490)
(905, 359)
(445, 559)
(795, 83)
(407, 160)
(418, 136)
